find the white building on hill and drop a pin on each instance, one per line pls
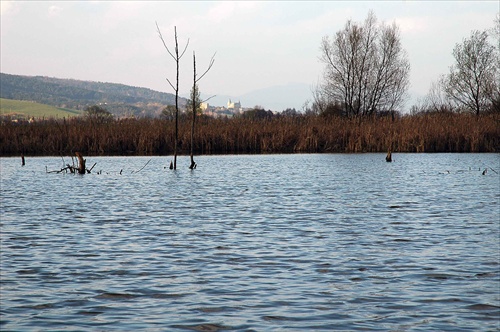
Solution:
(233, 106)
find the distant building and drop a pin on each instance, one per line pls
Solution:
(233, 106)
(229, 111)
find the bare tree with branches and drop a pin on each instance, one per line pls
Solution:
(366, 68)
(177, 57)
(436, 100)
(196, 102)
(472, 81)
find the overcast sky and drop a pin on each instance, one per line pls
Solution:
(258, 44)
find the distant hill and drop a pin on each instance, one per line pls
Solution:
(28, 109)
(119, 99)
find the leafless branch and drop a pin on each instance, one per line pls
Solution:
(212, 60)
(163, 41)
(173, 87)
(185, 48)
(203, 101)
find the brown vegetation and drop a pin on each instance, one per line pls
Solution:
(431, 132)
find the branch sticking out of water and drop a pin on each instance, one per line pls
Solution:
(80, 169)
(143, 167)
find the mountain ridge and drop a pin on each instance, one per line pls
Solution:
(119, 99)
(125, 100)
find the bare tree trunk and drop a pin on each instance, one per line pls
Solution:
(81, 163)
(176, 141)
(177, 57)
(176, 144)
(194, 107)
(195, 103)
(388, 158)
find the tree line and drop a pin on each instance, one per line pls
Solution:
(367, 71)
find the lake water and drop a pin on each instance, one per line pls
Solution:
(326, 242)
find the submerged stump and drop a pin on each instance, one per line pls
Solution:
(81, 163)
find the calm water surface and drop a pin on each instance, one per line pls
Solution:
(252, 243)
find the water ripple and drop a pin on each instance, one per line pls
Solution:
(253, 243)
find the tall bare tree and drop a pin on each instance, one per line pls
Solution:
(177, 57)
(435, 100)
(366, 68)
(196, 102)
(473, 80)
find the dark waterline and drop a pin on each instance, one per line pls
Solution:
(253, 243)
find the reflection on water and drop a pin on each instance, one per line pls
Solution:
(254, 243)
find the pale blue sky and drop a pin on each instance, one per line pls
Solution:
(258, 44)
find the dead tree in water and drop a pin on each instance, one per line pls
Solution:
(196, 103)
(80, 169)
(81, 163)
(177, 57)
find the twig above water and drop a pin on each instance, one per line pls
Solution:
(142, 167)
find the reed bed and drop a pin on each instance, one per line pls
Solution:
(438, 132)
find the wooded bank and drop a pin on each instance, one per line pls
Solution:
(437, 132)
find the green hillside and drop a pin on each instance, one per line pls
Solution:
(27, 109)
(121, 100)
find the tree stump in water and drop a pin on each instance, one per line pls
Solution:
(388, 158)
(81, 163)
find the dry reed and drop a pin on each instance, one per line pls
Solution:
(438, 132)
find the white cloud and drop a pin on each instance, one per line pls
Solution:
(221, 11)
(413, 25)
(116, 13)
(230, 10)
(7, 7)
(54, 11)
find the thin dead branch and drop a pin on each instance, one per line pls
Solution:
(142, 167)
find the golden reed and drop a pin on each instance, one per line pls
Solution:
(437, 132)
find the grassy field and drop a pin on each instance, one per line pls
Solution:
(27, 109)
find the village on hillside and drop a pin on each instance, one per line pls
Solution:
(230, 110)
